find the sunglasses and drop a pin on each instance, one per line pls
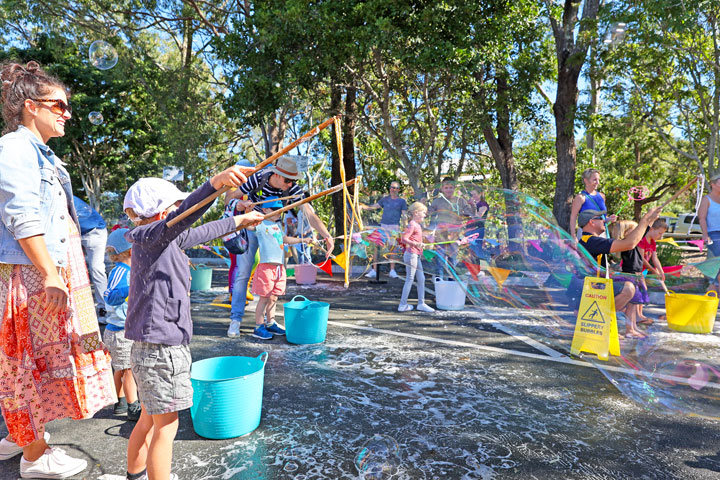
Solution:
(58, 107)
(394, 188)
(597, 218)
(288, 181)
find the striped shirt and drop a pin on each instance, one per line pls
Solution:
(251, 188)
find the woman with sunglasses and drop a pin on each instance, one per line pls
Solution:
(52, 362)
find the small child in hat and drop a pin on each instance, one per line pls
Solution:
(158, 317)
(270, 278)
(119, 250)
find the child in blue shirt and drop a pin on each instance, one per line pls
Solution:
(270, 278)
(119, 251)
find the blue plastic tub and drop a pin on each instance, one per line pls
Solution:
(227, 395)
(306, 321)
(200, 278)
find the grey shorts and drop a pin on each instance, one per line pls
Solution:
(162, 374)
(119, 348)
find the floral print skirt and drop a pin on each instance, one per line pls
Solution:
(51, 366)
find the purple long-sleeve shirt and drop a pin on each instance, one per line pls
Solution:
(159, 301)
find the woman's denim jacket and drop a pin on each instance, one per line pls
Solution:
(35, 197)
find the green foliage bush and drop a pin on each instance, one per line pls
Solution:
(668, 254)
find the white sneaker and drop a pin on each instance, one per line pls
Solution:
(9, 449)
(371, 274)
(425, 308)
(54, 463)
(234, 329)
(404, 307)
(393, 274)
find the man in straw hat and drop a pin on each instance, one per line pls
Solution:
(278, 180)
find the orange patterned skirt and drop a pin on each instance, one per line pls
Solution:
(51, 367)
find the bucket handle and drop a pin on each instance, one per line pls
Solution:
(714, 294)
(437, 279)
(263, 357)
(296, 296)
(670, 292)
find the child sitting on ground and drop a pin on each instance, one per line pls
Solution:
(115, 296)
(648, 250)
(270, 278)
(158, 317)
(412, 239)
(632, 263)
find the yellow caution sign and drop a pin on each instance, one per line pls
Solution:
(596, 328)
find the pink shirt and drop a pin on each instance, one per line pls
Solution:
(413, 233)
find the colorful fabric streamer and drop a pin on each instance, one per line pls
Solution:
(326, 267)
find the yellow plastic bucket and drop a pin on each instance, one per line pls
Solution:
(691, 313)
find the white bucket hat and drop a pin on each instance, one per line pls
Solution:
(286, 167)
(150, 196)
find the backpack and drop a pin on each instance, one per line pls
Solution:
(237, 242)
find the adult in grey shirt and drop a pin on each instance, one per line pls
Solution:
(392, 206)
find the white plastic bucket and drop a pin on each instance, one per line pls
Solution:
(449, 294)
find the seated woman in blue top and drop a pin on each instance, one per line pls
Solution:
(589, 199)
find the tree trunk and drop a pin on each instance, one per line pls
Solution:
(571, 50)
(565, 148)
(335, 109)
(274, 133)
(348, 143)
(501, 146)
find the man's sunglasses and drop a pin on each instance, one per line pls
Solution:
(58, 107)
(288, 181)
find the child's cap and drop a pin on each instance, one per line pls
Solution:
(116, 240)
(150, 196)
(277, 204)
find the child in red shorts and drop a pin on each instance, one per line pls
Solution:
(270, 279)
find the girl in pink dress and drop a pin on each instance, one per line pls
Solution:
(412, 239)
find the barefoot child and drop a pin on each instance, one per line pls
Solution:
(632, 263)
(413, 240)
(270, 278)
(119, 251)
(651, 262)
(158, 318)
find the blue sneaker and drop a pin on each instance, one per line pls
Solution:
(275, 329)
(262, 333)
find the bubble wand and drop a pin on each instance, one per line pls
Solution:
(252, 170)
(635, 194)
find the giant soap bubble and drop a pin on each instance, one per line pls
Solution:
(519, 268)
(103, 55)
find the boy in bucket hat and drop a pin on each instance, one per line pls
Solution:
(270, 278)
(158, 317)
(278, 180)
(119, 251)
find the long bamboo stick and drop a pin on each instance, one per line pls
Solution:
(680, 192)
(260, 166)
(329, 191)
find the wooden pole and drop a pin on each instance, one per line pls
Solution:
(680, 192)
(259, 167)
(329, 191)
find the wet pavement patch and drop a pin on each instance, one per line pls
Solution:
(455, 412)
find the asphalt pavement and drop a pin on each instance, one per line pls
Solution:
(462, 399)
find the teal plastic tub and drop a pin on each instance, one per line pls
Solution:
(306, 321)
(200, 278)
(227, 395)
